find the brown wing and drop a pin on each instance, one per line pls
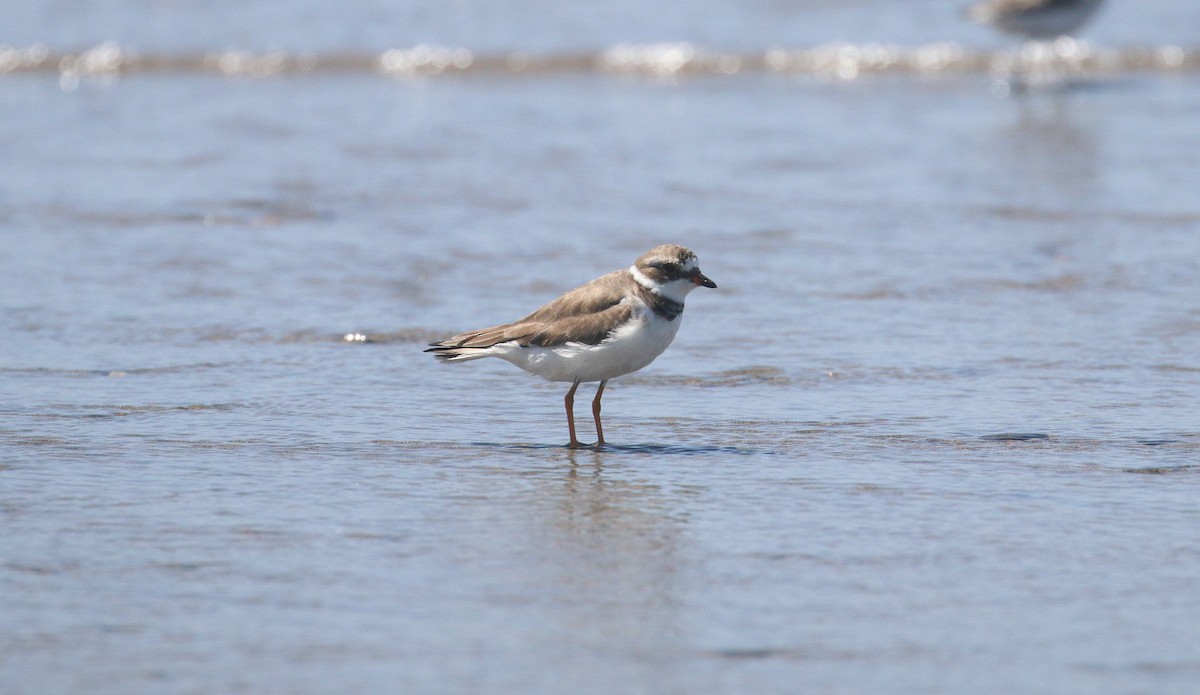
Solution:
(586, 314)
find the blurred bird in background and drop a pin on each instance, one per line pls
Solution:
(1034, 19)
(1050, 51)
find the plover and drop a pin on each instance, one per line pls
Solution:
(1034, 19)
(613, 325)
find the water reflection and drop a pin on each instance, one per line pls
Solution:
(1046, 155)
(611, 544)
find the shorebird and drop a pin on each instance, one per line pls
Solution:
(613, 325)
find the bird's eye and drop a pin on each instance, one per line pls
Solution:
(669, 268)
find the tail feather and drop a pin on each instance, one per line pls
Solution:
(454, 353)
(476, 344)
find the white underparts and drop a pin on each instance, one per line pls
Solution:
(629, 348)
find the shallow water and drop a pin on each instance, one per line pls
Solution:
(935, 432)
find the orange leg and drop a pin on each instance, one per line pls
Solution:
(596, 413)
(570, 403)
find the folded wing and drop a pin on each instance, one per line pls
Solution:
(586, 314)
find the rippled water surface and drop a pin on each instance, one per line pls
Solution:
(936, 431)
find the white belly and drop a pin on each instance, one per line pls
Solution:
(628, 349)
